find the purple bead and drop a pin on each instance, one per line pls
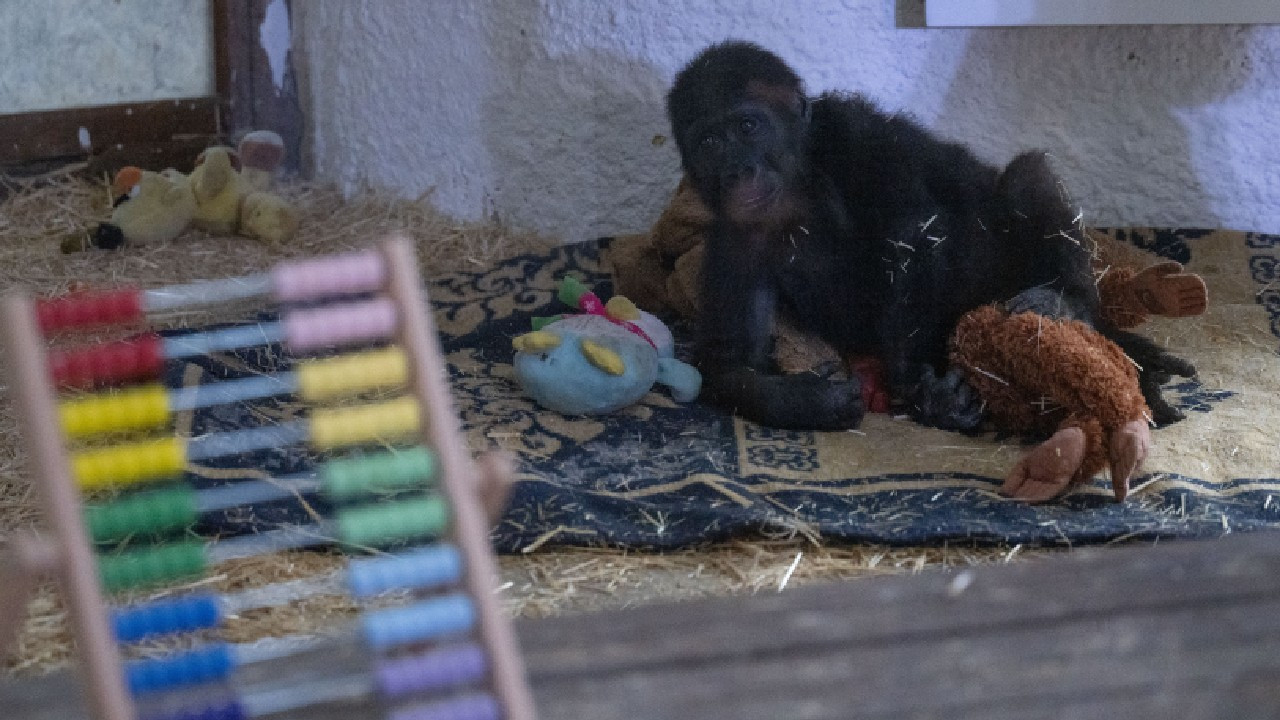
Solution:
(229, 710)
(467, 707)
(432, 670)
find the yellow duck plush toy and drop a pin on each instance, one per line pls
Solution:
(218, 190)
(268, 217)
(229, 201)
(153, 207)
(218, 197)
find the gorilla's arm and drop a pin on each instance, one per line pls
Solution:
(733, 345)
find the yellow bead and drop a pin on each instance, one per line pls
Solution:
(137, 408)
(385, 422)
(320, 380)
(129, 464)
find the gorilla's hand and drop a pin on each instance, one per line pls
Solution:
(948, 401)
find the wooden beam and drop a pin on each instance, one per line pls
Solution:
(250, 94)
(152, 135)
(1185, 630)
(233, 62)
(253, 94)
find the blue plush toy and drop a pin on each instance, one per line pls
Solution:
(601, 360)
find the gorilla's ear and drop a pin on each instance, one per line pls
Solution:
(785, 96)
(806, 108)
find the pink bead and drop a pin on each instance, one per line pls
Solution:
(349, 274)
(338, 325)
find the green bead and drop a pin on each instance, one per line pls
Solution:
(152, 565)
(158, 512)
(384, 472)
(382, 525)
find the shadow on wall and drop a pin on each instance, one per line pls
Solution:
(1115, 130)
(578, 139)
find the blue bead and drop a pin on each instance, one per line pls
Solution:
(396, 627)
(196, 612)
(417, 570)
(191, 668)
(230, 710)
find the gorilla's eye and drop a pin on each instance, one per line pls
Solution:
(748, 125)
(710, 141)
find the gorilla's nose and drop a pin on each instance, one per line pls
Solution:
(739, 172)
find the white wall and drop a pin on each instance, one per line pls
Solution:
(66, 53)
(547, 114)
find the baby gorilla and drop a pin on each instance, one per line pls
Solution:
(865, 230)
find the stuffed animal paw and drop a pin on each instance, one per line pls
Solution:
(268, 217)
(1165, 289)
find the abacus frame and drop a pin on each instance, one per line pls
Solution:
(67, 554)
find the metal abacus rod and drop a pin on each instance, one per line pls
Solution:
(298, 281)
(394, 636)
(143, 357)
(152, 404)
(340, 481)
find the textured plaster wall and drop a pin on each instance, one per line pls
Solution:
(66, 53)
(547, 114)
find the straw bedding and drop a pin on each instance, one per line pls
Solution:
(541, 577)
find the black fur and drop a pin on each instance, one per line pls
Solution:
(861, 227)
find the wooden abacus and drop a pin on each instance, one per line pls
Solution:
(406, 479)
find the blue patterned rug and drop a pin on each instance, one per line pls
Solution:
(664, 475)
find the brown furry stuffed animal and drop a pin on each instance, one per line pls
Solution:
(1040, 375)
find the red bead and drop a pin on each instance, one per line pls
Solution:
(89, 308)
(109, 363)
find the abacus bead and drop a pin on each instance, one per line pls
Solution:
(132, 409)
(348, 274)
(229, 710)
(388, 524)
(146, 513)
(416, 570)
(141, 358)
(432, 671)
(386, 471)
(151, 565)
(364, 424)
(320, 380)
(85, 309)
(166, 617)
(129, 464)
(468, 707)
(349, 324)
(400, 626)
(190, 668)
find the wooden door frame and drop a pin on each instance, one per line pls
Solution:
(247, 94)
(170, 132)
